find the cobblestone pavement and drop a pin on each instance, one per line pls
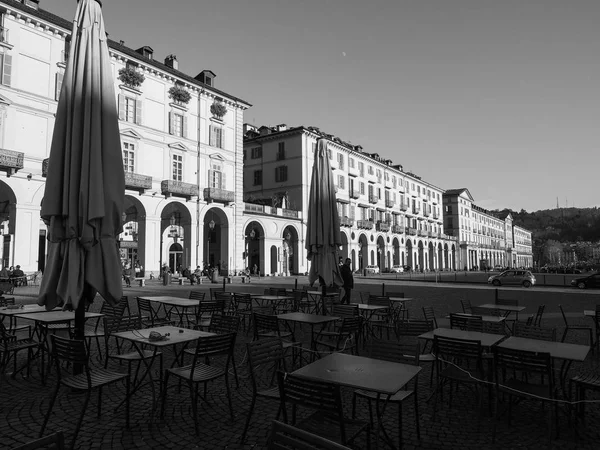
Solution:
(23, 402)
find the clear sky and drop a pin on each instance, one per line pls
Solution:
(499, 96)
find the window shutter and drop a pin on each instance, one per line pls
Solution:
(7, 69)
(211, 137)
(284, 173)
(59, 80)
(121, 107)
(171, 122)
(138, 111)
(210, 178)
(221, 138)
(184, 127)
(223, 181)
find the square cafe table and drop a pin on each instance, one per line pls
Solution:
(21, 309)
(357, 372)
(486, 339)
(310, 319)
(180, 305)
(320, 306)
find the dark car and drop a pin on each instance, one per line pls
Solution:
(591, 281)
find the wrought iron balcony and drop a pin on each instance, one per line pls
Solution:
(354, 193)
(365, 224)
(218, 195)
(175, 188)
(137, 182)
(411, 231)
(45, 167)
(346, 222)
(397, 229)
(383, 226)
(373, 199)
(10, 161)
(389, 203)
(403, 206)
(422, 233)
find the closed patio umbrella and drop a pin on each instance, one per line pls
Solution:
(85, 185)
(323, 236)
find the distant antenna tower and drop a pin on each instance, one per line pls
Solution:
(557, 207)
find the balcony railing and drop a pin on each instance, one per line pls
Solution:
(403, 206)
(373, 199)
(422, 233)
(397, 229)
(4, 35)
(426, 212)
(273, 211)
(354, 193)
(175, 188)
(10, 161)
(389, 203)
(416, 210)
(463, 243)
(218, 195)
(289, 213)
(251, 207)
(411, 231)
(383, 226)
(364, 224)
(137, 182)
(346, 222)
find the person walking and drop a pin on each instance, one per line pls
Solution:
(348, 278)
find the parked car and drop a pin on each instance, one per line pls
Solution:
(498, 268)
(398, 268)
(513, 277)
(372, 270)
(591, 281)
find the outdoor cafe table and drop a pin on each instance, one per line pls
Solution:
(558, 350)
(367, 312)
(319, 300)
(21, 309)
(140, 339)
(484, 318)
(273, 300)
(398, 308)
(501, 307)
(180, 305)
(384, 378)
(310, 319)
(486, 339)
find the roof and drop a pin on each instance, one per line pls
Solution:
(458, 192)
(68, 25)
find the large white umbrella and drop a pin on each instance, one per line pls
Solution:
(85, 185)
(323, 236)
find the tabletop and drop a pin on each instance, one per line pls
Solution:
(401, 299)
(174, 301)
(313, 319)
(272, 297)
(502, 307)
(359, 372)
(327, 294)
(486, 339)
(25, 309)
(55, 316)
(366, 307)
(589, 313)
(484, 317)
(176, 335)
(559, 350)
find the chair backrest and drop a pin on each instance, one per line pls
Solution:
(112, 324)
(380, 300)
(479, 311)
(466, 306)
(5, 336)
(265, 358)
(197, 295)
(299, 295)
(537, 320)
(218, 344)
(54, 441)
(315, 395)
(226, 298)
(463, 353)
(495, 328)
(466, 322)
(350, 325)
(533, 332)
(5, 301)
(402, 350)
(429, 314)
(72, 351)
(412, 327)
(396, 294)
(264, 323)
(117, 310)
(345, 311)
(222, 324)
(266, 310)
(286, 437)
(131, 322)
(522, 364)
(213, 290)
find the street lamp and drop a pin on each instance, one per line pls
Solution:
(211, 226)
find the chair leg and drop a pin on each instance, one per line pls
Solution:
(194, 396)
(50, 406)
(80, 421)
(417, 424)
(229, 397)
(354, 406)
(164, 396)
(127, 400)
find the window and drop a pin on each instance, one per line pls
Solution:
(281, 151)
(314, 147)
(257, 177)
(329, 154)
(340, 158)
(362, 188)
(216, 136)
(370, 170)
(177, 167)
(351, 163)
(128, 157)
(341, 182)
(176, 125)
(361, 169)
(378, 173)
(281, 174)
(216, 177)
(6, 67)
(370, 190)
(256, 152)
(130, 109)
(58, 85)
(394, 182)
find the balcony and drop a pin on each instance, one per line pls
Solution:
(436, 215)
(170, 188)
(364, 224)
(403, 206)
(427, 212)
(399, 229)
(45, 167)
(416, 210)
(383, 226)
(250, 207)
(137, 182)
(463, 243)
(271, 211)
(346, 222)
(389, 203)
(411, 231)
(10, 161)
(218, 195)
(430, 234)
(422, 233)
(373, 199)
(354, 193)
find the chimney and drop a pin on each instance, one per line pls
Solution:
(145, 51)
(281, 127)
(171, 61)
(121, 42)
(32, 3)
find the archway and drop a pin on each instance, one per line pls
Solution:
(441, 264)
(254, 235)
(409, 254)
(431, 257)
(421, 256)
(453, 259)
(363, 252)
(216, 240)
(176, 228)
(396, 252)
(446, 262)
(273, 259)
(380, 259)
(290, 250)
(175, 256)
(8, 201)
(132, 239)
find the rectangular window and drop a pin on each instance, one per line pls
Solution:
(351, 163)
(128, 157)
(130, 109)
(256, 152)
(362, 188)
(370, 170)
(6, 67)
(178, 167)
(216, 136)
(329, 154)
(281, 151)
(341, 182)
(340, 158)
(281, 174)
(257, 177)
(177, 124)
(361, 169)
(216, 179)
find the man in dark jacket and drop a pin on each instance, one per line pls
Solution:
(346, 273)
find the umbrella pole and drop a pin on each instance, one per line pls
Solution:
(296, 284)
(323, 297)
(383, 289)
(78, 329)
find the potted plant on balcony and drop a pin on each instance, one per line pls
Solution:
(131, 77)
(179, 94)
(218, 110)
